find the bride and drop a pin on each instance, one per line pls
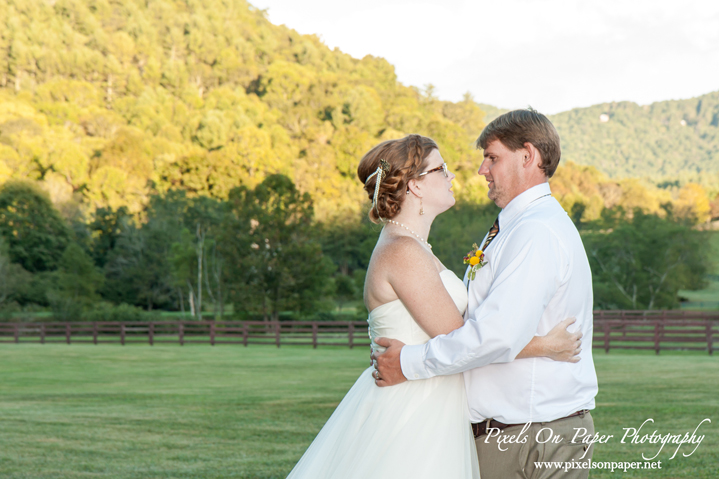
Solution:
(417, 429)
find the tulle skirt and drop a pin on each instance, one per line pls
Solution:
(417, 429)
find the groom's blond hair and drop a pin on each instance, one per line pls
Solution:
(515, 128)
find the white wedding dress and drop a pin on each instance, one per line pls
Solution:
(417, 429)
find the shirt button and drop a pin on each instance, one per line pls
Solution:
(416, 376)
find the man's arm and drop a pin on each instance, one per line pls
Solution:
(527, 275)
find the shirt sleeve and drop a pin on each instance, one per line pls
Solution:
(527, 274)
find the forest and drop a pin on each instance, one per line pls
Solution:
(188, 156)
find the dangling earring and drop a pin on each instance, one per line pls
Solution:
(421, 209)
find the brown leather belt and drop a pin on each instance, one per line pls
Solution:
(480, 428)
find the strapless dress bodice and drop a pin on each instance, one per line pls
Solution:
(393, 320)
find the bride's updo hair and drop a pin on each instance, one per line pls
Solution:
(407, 157)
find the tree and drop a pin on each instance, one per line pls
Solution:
(35, 234)
(75, 284)
(714, 208)
(454, 231)
(693, 204)
(348, 242)
(105, 229)
(196, 260)
(14, 280)
(138, 270)
(277, 263)
(345, 289)
(641, 263)
(77, 276)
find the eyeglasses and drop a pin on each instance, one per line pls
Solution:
(442, 168)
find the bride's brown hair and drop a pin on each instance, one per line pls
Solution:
(407, 157)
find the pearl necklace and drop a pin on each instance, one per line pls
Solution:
(418, 236)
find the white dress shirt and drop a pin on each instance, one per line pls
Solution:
(537, 274)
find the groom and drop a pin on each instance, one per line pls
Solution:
(536, 274)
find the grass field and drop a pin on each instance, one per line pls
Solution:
(108, 411)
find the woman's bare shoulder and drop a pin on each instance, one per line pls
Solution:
(400, 249)
(403, 253)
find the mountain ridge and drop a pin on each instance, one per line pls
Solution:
(674, 140)
(633, 140)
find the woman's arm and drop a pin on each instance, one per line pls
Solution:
(558, 345)
(413, 276)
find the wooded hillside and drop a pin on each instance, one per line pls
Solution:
(670, 142)
(107, 102)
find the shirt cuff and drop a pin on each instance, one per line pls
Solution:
(411, 359)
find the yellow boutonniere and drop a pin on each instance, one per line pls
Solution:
(475, 260)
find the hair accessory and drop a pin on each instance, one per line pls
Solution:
(381, 172)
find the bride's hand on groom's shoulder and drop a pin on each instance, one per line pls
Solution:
(562, 345)
(388, 369)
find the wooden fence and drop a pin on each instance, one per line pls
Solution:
(315, 333)
(656, 314)
(652, 330)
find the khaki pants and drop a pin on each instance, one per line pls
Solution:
(517, 461)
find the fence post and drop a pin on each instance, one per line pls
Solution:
(181, 333)
(277, 334)
(122, 334)
(245, 333)
(16, 332)
(67, 333)
(212, 333)
(94, 332)
(656, 335)
(606, 336)
(42, 333)
(661, 329)
(314, 334)
(351, 334)
(710, 345)
(151, 333)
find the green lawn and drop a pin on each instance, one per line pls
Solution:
(705, 299)
(108, 411)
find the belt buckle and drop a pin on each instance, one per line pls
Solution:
(477, 427)
(487, 425)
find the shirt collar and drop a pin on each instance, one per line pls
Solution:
(521, 201)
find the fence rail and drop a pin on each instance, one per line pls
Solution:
(651, 330)
(655, 314)
(657, 334)
(314, 333)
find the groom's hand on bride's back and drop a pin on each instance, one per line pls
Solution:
(388, 363)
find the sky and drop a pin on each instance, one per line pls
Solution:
(551, 54)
